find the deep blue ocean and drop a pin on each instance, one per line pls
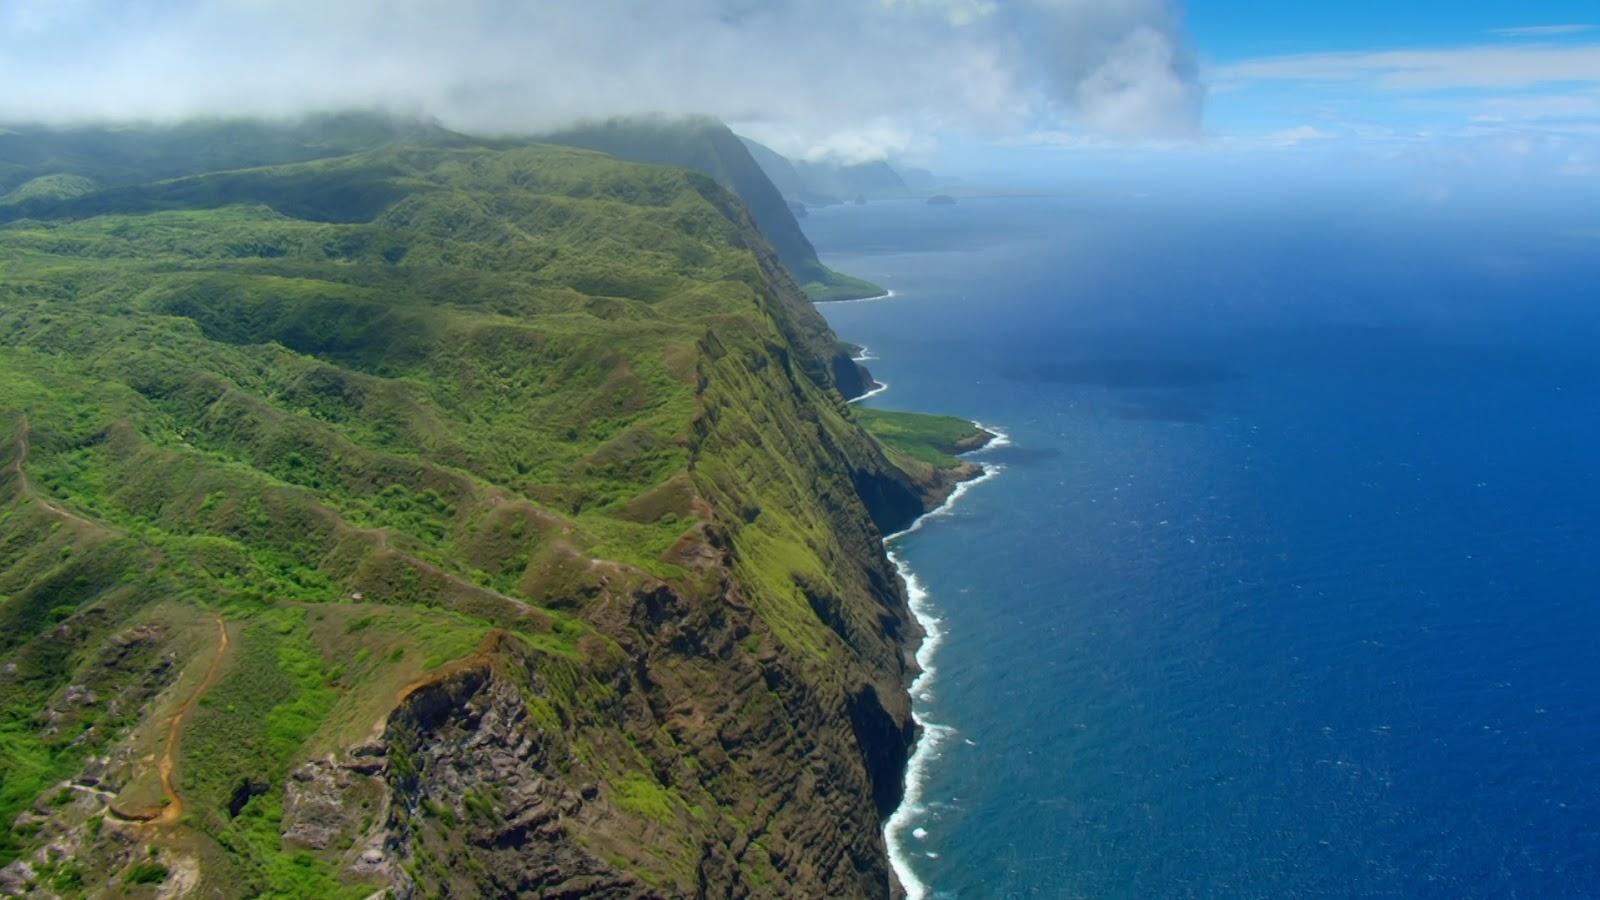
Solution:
(1290, 584)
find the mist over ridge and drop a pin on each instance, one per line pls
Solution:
(843, 81)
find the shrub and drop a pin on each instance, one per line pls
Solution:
(147, 872)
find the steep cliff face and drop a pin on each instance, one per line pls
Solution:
(707, 146)
(827, 183)
(454, 520)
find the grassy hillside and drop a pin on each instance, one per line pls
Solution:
(935, 440)
(474, 518)
(112, 155)
(708, 147)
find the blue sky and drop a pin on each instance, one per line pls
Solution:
(1233, 30)
(1389, 71)
(1451, 96)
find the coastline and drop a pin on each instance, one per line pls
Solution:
(877, 388)
(888, 294)
(930, 735)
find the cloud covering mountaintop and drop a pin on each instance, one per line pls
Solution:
(849, 80)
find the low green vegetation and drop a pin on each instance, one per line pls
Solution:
(49, 187)
(271, 698)
(641, 794)
(935, 440)
(832, 286)
(377, 404)
(707, 146)
(146, 871)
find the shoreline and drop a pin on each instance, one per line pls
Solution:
(888, 294)
(878, 387)
(930, 735)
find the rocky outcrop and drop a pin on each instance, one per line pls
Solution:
(747, 775)
(479, 804)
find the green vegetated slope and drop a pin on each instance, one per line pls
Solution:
(935, 440)
(927, 447)
(448, 516)
(827, 183)
(707, 146)
(114, 155)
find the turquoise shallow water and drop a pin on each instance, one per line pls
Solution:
(1287, 587)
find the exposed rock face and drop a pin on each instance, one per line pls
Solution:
(470, 736)
(852, 377)
(491, 800)
(328, 802)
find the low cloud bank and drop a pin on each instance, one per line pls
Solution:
(848, 80)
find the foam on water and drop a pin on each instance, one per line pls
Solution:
(882, 386)
(886, 295)
(933, 735)
(990, 470)
(1001, 439)
(927, 747)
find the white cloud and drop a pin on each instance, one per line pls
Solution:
(1465, 67)
(1524, 31)
(1554, 107)
(1282, 139)
(1136, 86)
(846, 78)
(1293, 137)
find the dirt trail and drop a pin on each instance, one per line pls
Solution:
(25, 487)
(173, 810)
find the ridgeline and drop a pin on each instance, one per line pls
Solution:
(403, 510)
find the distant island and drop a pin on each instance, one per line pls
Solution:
(941, 200)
